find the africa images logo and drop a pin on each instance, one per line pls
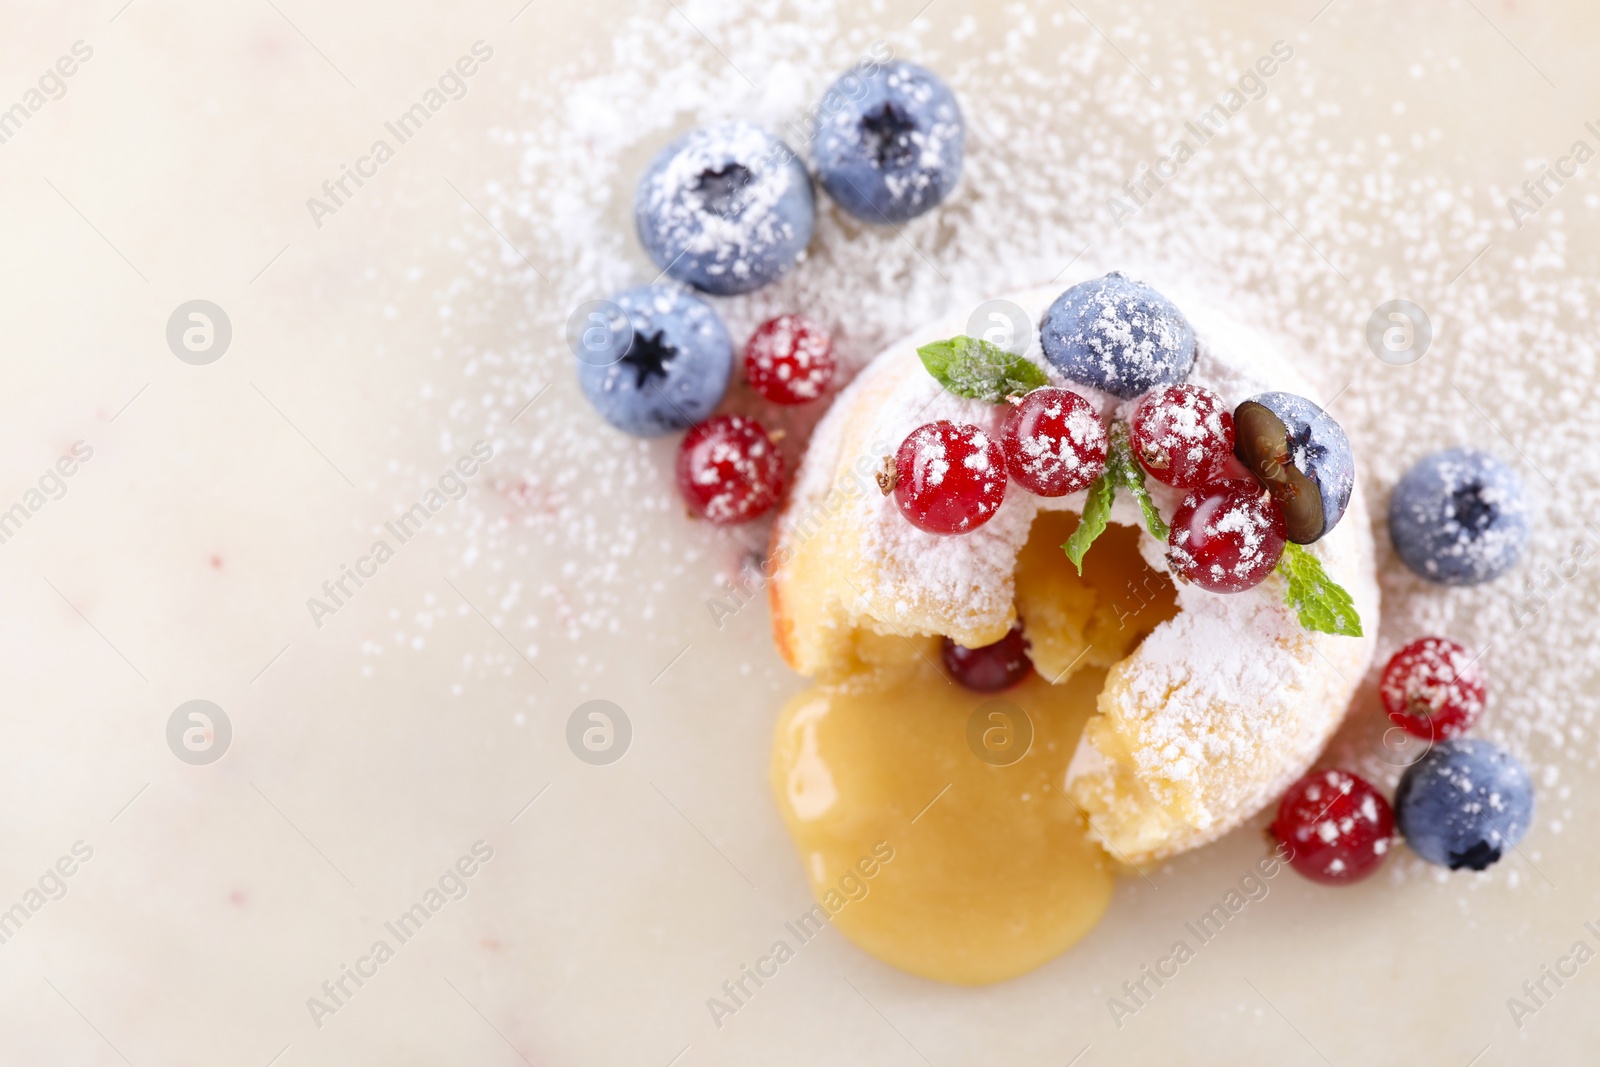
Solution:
(451, 85)
(452, 485)
(453, 885)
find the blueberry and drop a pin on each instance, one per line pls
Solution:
(665, 369)
(1464, 803)
(890, 142)
(1119, 335)
(1303, 458)
(1459, 517)
(725, 208)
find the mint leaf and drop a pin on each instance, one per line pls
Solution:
(1322, 603)
(1121, 465)
(1121, 470)
(1096, 513)
(979, 369)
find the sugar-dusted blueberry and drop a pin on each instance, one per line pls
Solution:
(1464, 803)
(1302, 456)
(1054, 442)
(990, 668)
(664, 373)
(1459, 517)
(1182, 435)
(890, 142)
(1226, 536)
(948, 478)
(1433, 688)
(1336, 827)
(1119, 335)
(725, 208)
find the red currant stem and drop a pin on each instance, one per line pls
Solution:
(1119, 458)
(1419, 707)
(888, 475)
(1121, 469)
(1096, 514)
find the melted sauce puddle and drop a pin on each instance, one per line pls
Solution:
(991, 872)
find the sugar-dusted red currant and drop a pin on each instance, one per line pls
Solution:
(1226, 537)
(1182, 435)
(990, 668)
(949, 478)
(729, 470)
(789, 360)
(1433, 688)
(1337, 827)
(1054, 442)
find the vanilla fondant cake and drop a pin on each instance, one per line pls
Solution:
(1200, 726)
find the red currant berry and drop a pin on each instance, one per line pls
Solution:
(789, 360)
(1183, 435)
(1226, 537)
(1336, 827)
(729, 470)
(1433, 689)
(993, 667)
(949, 479)
(1055, 443)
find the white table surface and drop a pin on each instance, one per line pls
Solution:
(370, 753)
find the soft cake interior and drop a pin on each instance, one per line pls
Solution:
(1092, 620)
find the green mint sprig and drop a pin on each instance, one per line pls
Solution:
(1322, 603)
(1121, 465)
(980, 370)
(1096, 513)
(1122, 470)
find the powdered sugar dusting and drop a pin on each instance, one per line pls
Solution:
(558, 573)
(1120, 331)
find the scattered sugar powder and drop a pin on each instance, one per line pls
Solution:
(1295, 220)
(931, 461)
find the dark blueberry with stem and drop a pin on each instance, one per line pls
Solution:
(1302, 456)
